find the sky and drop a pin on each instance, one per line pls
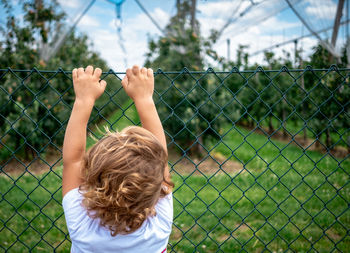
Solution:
(265, 24)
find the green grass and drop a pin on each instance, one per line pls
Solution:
(210, 212)
(31, 213)
(283, 197)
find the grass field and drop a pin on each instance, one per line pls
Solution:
(282, 197)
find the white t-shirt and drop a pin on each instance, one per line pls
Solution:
(88, 236)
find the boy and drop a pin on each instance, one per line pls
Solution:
(117, 196)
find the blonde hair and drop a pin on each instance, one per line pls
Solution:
(124, 178)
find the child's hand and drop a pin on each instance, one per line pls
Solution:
(139, 83)
(87, 84)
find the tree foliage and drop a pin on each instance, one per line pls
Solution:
(196, 107)
(292, 102)
(190, 106)
(193, 107)
(35, 106)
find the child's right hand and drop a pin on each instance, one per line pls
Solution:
(87, 84)
(139, 83)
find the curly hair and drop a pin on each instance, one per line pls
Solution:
(124, 178)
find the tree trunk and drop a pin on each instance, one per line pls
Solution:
(197, 149)
(328, 139)
(284, 124)
(250, 123)
(305, 134)
(201, 150)
(271, 130)
(318, 140)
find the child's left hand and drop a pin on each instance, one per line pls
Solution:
(87, 84)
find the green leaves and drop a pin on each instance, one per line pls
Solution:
(28, 97)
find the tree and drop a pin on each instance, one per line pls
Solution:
(34, 108)
(192, 100)
(328, 99)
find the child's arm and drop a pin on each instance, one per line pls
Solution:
(87, 89)
(139, 85)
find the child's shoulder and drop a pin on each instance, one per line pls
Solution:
(164, 210)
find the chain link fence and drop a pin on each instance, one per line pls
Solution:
(260, 158)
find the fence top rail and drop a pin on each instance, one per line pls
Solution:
(186, 70)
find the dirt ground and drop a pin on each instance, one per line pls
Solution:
(309, 144)
(208, 165)
(216, 163)
(182, 165)
(37, 166)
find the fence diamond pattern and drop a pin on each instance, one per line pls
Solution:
(260, 158)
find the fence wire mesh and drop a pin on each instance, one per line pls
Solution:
(260, 158)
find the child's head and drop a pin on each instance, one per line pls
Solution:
(123, 176)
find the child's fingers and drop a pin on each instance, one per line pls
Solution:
(74, 74)
(97, 72)
(128, 73)
(125, 81)
(144, 71)
(80, 72)
(135, 70)
(103, 84)
(150, 72)
(89, 70)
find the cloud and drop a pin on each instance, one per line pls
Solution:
(250, 30)
(222, 9)
(135, 32)
(73, 4)
(161, 16)
(89, 21)
(258, 28)
(144, 25)
(259, 38)
(241, 17)
(106, 9)
(319, 10)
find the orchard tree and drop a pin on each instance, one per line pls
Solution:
(191, 105)
(34, 110)
(328, 107)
